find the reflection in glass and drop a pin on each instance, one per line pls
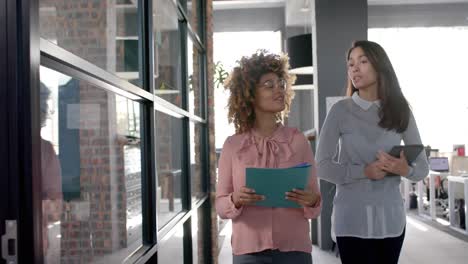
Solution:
(167, 51)
(169, 167)
(52, 184)
(102, 32)
(197, 236)
(171, 250)
(193, 63)
(91, 158)
(196, 161)
(193, 15)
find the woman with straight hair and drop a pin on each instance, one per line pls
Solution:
(260, 97)
(358, 132)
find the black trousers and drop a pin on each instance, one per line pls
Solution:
(370, 251)
(273, 257)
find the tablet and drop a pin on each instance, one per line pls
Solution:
(411, 152)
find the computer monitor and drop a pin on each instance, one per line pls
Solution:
(439, 164)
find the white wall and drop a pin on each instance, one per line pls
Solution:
(431, 65)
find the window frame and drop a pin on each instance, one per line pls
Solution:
(26, 51)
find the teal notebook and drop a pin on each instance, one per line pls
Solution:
(274, 183)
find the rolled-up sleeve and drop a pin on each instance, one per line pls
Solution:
(327, 168)
(224, 188)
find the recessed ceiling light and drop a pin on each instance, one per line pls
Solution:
(305, 6)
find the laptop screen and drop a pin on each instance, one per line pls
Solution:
(439, 164)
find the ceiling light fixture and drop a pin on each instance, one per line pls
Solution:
(305, 6)
(300, 58)
(300, 54)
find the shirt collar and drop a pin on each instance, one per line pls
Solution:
(365, 105)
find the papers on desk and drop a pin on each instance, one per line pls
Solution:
(274, 183)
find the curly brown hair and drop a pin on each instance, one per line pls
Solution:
(243, 80)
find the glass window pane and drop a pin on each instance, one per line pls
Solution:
(197, 236)
(193, 63)
(172, 250)
(196, 161)
(91, 172)
(167, 66)
(102, 32)
(193, 10)
(169, 167)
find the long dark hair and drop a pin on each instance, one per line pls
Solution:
(394, 112)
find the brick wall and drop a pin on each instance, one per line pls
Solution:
(197, 176)
(164, 152)
(94, 224)
(201, 239)
(211, 128)
(82, 27)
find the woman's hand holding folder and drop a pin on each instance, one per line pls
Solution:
(245, 196)
(304, 198)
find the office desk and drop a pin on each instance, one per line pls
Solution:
(432, 200)
(452, 180)
(405, 191)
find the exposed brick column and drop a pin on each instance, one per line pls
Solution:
(164, 143)
(94, 224)
(211, 128)
(195, 85)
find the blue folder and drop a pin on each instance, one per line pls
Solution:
(274, 183)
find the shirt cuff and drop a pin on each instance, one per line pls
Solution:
(356, 172)
(232, 206)
(410, 172)
(311, 212)
(317, 203)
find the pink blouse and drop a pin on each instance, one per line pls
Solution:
(257, 228)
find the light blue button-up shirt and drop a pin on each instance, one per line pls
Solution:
(349, 140)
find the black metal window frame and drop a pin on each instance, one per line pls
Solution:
(27, 51)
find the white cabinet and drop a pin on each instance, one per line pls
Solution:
(453, 182)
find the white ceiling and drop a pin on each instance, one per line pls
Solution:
(296, 17)
(240, 4)
(298, 12)
(234, 4)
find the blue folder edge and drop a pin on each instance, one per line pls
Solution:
(274, 183)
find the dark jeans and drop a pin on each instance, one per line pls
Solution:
(360, 250)
(273, 257)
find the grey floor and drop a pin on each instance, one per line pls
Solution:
(424, 243)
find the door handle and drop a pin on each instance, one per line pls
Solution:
(9, 243)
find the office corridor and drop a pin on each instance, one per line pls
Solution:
(423, 244)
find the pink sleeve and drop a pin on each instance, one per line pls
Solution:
(313, 211)
(224, 188)
(51, 172)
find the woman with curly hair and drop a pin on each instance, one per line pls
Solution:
(260, 97)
